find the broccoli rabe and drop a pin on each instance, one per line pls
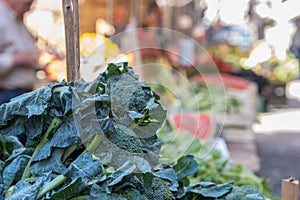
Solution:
(138, 100)
(125, 100)
(128, 194)
(159, 190)
(125, 140)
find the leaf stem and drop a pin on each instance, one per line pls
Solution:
(68, 152)
(61, 178)
(52, 185)
(94, 144)
(56, 122)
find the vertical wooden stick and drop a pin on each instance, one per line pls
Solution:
(71, 18)
(289, 189)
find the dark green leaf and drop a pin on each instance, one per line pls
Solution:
(85, 167)
(211, 190)
(7, 145)
(147, 179)
(61, 101)
(52, 164)
(13, 172)
(29, 104)
(168, 174)
(244, 193)
(18, 152)
(126, 169)
(152, 153)
(142, 165)
(149, 127)
(85, 197)
(24, 191)
(1, 180)
(14, 127)
(19, 116)
(112, 69)
(34, 127)
(99, 193)
(65, 136)
(186, 166)
(69, 191)
(135, 115)
(1, 192)
(28, 189)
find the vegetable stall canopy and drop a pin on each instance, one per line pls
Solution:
(95, 141)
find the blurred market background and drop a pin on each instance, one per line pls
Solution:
(236, 66)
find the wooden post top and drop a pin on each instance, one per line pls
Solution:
(289, 189)
(71, 21)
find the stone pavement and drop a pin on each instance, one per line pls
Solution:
(279, 157)
(274, 156)
(274, 150)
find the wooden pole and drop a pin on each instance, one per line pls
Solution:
(289, 189)
(71, 19)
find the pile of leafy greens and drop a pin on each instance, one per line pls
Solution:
(211, 166)
(95, 140)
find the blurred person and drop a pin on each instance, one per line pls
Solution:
(158, 48)
(18, 55)
(153, 16)
(120, 22)
(151, 38)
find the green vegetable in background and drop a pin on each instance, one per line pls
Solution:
(210, 166)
